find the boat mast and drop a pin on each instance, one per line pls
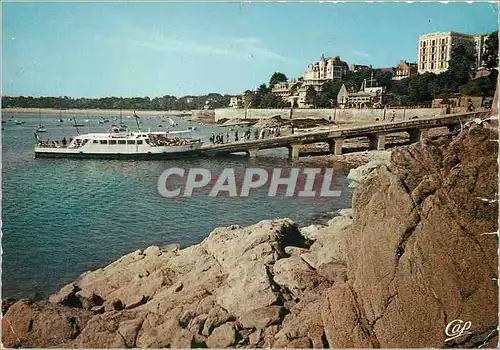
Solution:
(76, 125)
(137, 121)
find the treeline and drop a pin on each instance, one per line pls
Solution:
(164, 103)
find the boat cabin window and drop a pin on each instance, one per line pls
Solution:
(121, 142)
(139, 142)
(147, 141)
(95, 141)
(131, 142)
(104, 142)
(112, 142)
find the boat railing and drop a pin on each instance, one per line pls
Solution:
(53, 144)
(162, 140)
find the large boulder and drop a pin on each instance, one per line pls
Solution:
(418, 255)
(42, 324)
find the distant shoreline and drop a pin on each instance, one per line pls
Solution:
(90, 112)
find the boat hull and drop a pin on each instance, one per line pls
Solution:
(120, 156)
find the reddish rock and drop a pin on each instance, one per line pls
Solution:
(42, 324)
(413, 255)
(222, 337)
(262, 317)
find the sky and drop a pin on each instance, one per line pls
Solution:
(92, 49)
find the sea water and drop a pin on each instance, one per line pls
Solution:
(62, 217)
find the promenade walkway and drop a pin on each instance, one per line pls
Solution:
(417, 129)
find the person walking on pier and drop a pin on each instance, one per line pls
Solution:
(293, 130)
(236, 139)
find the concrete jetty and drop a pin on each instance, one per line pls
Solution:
(417, 129)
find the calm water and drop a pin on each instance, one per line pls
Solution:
(62, 217)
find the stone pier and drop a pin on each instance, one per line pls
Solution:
(376, 133)
(335, 146)
(377, 142)
(293, 152)
(417, 135)
(252, 153)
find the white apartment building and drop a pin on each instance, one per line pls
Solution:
(434, 49)
(479, 49)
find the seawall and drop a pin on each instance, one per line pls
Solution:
(348, 115)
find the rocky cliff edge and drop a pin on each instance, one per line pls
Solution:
(417, 251)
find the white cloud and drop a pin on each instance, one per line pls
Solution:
(244, 47)
(360, 53)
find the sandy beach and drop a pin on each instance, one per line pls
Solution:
(90, 112)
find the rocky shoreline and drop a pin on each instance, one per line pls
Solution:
(412, 255)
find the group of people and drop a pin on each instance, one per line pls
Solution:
(54, 143)
(163, 140)
(222, 138)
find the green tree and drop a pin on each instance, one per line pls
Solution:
(383, 78)
(327, 98)
(311, 96)
(478, 87)
(461, 64)
(490, 56)
(270, 100)
(277, 77)
(421, 89)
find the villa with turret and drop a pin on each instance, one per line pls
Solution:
(315, 75)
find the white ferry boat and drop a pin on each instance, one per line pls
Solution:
(120, 145)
